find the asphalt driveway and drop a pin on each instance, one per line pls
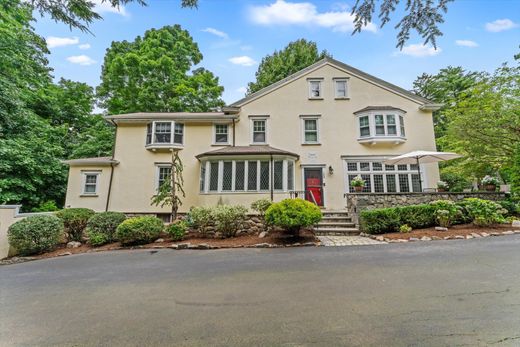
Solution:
(442, 293)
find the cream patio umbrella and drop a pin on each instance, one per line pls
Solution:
(421, 157)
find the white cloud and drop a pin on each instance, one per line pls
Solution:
(246, 47)
(84, 46)
(243, 60)
(105, 7)
(500, 25)
(53, 41)
(420, 50)
(466, 43)
(242, 90)
(304, 13)
(216, 32)
(81, 60)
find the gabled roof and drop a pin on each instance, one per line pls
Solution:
(98, 161)
(349, 69)
(247, 150)
(379, 108)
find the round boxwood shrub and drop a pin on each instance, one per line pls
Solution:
(177, 230)
(75, 221)
(139, 230)
(35, 234)
(101, 227)
(293, 214)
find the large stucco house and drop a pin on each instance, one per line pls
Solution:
(310, 132)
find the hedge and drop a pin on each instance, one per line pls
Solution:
(388, 220)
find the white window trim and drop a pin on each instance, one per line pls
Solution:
(372, 125)
(341, 97)
(317, 119)
(214, 142)
(251, 130)
(157, 172)
(310, 81)
(84, 175)
(409, 171)
(172, 136)
(246, 161)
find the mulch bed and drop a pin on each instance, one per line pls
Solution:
(276, 238)
(462, 230)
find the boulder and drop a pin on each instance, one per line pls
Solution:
(261, 245)
(441, 229)
(484, 234)
(64, 254)
(183, 245)
(73, 244)
(426, 238)
(459, 237)
(159, 240)
(468, 237)
(509, 232)
(263, 234)
(515, 224)
(475, 235)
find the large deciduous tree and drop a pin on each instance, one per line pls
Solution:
(152, 74)
(295, 56)
(485, 122)
(445, 87)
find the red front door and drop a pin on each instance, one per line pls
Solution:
(314, 185)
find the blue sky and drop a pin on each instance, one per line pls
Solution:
(233, 36)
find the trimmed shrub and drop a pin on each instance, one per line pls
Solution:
(261, 206)
(380, 221)
(228, 219)
(200, 218)
(35, 234)
(484, 212)
(75, 221)
(177, 229)
(101, 227)
(512, 206)
(293, 214)
(405, 228)
(139, 230)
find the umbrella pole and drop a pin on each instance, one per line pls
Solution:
(419, 173)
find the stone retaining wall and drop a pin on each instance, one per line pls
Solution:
(358, 202)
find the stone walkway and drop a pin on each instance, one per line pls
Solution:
(347, 241)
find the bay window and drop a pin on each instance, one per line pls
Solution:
(381, 126)
(164, 133)
(246, 175)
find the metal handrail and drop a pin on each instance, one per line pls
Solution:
(294, 194)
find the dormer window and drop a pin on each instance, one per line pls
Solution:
(377, 124)
(164, 133)
(315, 90)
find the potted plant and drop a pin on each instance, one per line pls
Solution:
(442, 186)
(490, 183)
(358, 183)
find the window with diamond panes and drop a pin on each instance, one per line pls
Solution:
(391, 187)
(240, 170)
(379, 186)
(368, 183)
(213, 176)
(227, 175)
(264, 175)
(252, 170)
(416, 183)
(278, 175)
(352, 167)
(202, 185)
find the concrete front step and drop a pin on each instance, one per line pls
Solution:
(336, 231)
(335, 224)
(341, 219)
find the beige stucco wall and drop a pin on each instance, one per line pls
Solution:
(75, 198)
(134, 180)
(8, 215)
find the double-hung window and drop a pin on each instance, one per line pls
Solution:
(340, 86)
(315, 91)
(221, 134)
(364, 126)
(259, 130)
(90, 183)
(165, 132)
(310, 129)
(163, 174)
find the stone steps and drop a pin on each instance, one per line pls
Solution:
(336, 223)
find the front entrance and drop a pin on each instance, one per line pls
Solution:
(313, 178)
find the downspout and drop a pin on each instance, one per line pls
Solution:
(233, 133)
(272, 179)
(111, 167)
